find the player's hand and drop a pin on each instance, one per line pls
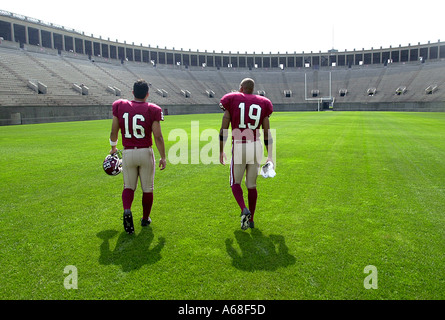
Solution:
(270, 159)
(113, 150)
(222, 158)
(162, 163)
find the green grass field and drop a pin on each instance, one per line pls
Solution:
(352, 189)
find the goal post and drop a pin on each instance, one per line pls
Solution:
(315, 92)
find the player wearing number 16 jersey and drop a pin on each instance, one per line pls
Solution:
(137, 121)
(246, 113)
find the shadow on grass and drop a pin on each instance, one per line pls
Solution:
(259, 252)
(131, 251)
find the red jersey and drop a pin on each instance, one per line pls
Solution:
(247, 111)
(135, 121)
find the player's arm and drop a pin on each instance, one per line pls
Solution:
(268, 141)
(159, 140)
(114, 134)
(223, 133)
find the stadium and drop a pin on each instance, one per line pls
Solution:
(359, 185)
(45, 65)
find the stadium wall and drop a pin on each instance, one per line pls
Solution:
(388, 106)
(45, 114)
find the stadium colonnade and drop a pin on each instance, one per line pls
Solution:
(52, 73)
(25, 30)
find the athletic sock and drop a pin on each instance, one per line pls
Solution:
(238, 194)
(147, 203)
(252, 195)
(127, 198)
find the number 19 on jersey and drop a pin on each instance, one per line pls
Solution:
(254, 114)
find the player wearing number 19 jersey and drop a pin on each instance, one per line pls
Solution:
(137, 121)
(246, 113)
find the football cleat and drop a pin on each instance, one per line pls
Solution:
(128, 221)
(251, 225)
(113, 164)
(245, 217)
(145, 223)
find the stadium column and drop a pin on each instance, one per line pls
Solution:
(26, 35)
(51, 39)
(100, 46)
(40, 37)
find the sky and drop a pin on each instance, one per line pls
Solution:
(259, 26)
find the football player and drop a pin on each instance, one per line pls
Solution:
(246, 113)
(138, 120)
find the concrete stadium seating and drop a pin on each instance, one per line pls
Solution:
(186, 89)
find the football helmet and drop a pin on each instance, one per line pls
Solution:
(113, 164)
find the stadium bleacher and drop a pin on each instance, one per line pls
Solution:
(59, 73)
(415, 85)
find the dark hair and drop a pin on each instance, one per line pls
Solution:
(140, 89)
(248, 85)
